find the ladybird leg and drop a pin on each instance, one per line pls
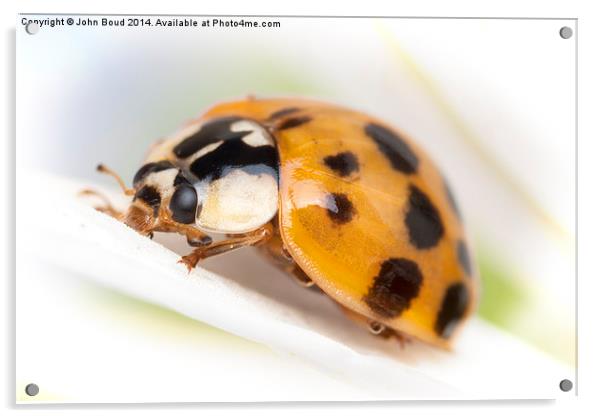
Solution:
(107, 207)
(402, 339)
(276, 252)
(194, 236)
(257, 237)
(300, 276)
(376, 328)
(373, 326)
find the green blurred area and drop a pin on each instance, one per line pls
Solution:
(263, 76)
(509, 302)
(501, 295)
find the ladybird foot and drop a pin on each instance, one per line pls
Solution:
(381, 330)
(376, 327)
(301, 277)
(402, 340)
(190, 261)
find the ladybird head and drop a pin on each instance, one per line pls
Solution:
(161, 190)
(222, 176)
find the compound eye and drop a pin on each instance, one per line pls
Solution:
(183, 204)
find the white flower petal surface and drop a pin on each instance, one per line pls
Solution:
(330, 357)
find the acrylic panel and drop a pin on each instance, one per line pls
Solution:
(415, 178)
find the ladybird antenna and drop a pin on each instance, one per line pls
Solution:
(104, 169)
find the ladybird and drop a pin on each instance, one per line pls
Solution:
(342, 201)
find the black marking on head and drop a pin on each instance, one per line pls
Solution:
(183, 204)
(340, 208)
(422, 220)
(150, 196)
(294, 122)
(180, 178)
(149, 168)
(464, 257)
(397, 151)
(236, 154)
(212, 131)
(184, 176)
(397, 284)
(454, 307)
(452, 200)
(283, 112)
(343, 163)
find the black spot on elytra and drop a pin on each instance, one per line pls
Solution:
(294, 122)
(149, 168)
(283, 112)
(150, 196)
(340, 209)
(398, 282)
(212, 131)
(183, 204)
(451, 199)
(454, 306)
(343, 163)
(236, 154)
(397, 151)
(464, 257)
(422, 220)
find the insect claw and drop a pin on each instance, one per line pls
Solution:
(301, 277)
(189, 262)
(182, 261)
(376, 327)
(286, 255)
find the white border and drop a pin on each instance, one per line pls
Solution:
(590, 200)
